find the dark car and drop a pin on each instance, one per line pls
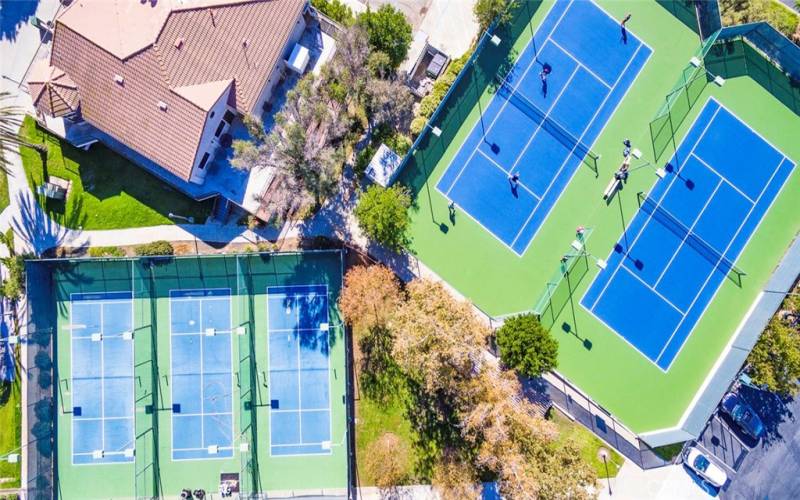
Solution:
(743, 414)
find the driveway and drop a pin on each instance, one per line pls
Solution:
(772, 468)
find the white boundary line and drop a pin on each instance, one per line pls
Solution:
(649, 287)
(690, 232)
(724, 179)
(600, 133)
(101, 303)
(590, 309)
(571, 156)
(526, 188)
(581, 65)
(746, 219)
(200, 299)
(300, 409)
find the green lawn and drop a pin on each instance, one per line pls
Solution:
(588, 443)
(10, 423)
(3, 190)
(107, 192)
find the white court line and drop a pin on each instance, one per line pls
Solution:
(503, 105)
(526, 188)
(658, 204)
(725, 179)
(201, 414)
(714, 269)
(546, 115)
(572, 152)
(300, 410)
(690, 232)
(649, 287)
(581, 65)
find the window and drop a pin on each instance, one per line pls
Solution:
(203, 162)
(212, 114)
(219, 128)
(228, 117)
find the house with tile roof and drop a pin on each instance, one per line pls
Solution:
(165, 78)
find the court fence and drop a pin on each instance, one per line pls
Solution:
(492, 55)
(39, 371)
(142, 276)
(756, 50)
(764, 54)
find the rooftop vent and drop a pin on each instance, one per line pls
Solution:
(179, 42)
(119, 79)
(162, 105)
(245, 42)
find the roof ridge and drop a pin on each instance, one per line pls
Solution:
(162, 67)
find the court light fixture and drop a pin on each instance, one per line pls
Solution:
(495, 40)
(434, 129)
(13, 339)
(244, 447)
(719, 81)
(695, 61)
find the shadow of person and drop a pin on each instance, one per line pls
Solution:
(544, 88)
(624, 35)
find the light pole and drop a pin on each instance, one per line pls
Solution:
(603, 453)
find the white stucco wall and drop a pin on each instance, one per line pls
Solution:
(208, 141)
(272, 81)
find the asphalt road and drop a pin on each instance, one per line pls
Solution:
(771, 469)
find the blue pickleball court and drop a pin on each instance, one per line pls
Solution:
(102, 377)
(202, 375)
(543, 130)
(684, 241)
(299, 370)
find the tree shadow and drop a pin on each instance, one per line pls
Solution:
(773, 410)
(15, 14)
(381, 378)
(35, 227)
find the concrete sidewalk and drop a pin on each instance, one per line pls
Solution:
(664, 483)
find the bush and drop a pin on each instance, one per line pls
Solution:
(418, 125)
(430, 102)
(382, 214)
(774, 362)
(14, 285)
(362, 160)
(527, 346)
(336, 10)
(388, 32)
(155, 248)
(106, 252)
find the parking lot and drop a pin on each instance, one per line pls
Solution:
(769, 468)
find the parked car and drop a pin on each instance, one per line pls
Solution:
(705, 468)
(743, 414)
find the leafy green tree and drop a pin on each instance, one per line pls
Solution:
(775, 359)
(382, 214)
(336, 10)
(485, 11)
(527, 346)
(388, 31)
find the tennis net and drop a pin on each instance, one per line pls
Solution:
(703, 248)
(552, 127)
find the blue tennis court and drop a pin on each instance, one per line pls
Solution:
(543, 130)
(687, 235)
(202, 376)
(102, 377)
(299, 370)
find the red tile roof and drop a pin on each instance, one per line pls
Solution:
(182, 53)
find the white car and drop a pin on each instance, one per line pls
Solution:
(705, 468)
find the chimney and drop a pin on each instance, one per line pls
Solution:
(162, 105)
(179, 42)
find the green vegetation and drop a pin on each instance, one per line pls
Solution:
(588, 444)
(155, 248)
(527, 346)
(486, 11)
(774, 362)
(382, 214)
(10, 438)
(107, 190)
(335, 10)
(669, 452)
(4, 195)
(430, 102)
(106, 252)
(775, 13)
(388, 32)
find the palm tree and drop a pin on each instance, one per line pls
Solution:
(10, 122)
